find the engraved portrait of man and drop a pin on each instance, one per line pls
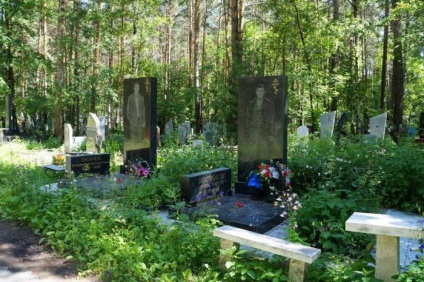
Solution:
(136, 113)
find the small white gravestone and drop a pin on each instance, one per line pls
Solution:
(102, 120)
(94, 136)
(197, 143)
(68, 138)
(378, 125)
(327, 124)
(302, 131)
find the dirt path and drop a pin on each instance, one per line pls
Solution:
(23, 259)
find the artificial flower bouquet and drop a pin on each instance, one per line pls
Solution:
(59, 159)
(140, 168)
(272, 181)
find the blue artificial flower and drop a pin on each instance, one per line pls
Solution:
(255, 181)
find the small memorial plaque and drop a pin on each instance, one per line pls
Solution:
(88, 163)
(205, 185)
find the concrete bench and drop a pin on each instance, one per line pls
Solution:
(54, 168)
(300, 256)
(388, 228)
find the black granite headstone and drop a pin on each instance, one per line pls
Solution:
(262, 124)
(206, 185)
(88, 163)
(140, 120)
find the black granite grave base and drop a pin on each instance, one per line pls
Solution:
(241, 211)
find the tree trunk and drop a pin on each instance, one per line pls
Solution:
(236, 15)
(60, 68)
(398, 79)
(384, 58)
(334, 60)
(196, 31)
(96, 61)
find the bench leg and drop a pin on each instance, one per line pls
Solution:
(225, 245)
(297, 270)
(387, 257)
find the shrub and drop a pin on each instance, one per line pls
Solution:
(320, 222)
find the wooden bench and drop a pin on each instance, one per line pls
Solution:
(300, 256)
(388, 228)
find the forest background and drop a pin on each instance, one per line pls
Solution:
(60, 60)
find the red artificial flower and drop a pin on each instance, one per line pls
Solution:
(240, 205)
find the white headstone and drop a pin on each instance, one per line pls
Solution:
(327, 124)
(93, 134)
(197, 143)
(102, 120)
(302, 131)
(378, 125)
(68, 138)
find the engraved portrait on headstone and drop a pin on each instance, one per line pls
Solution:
(136, 113)
(140, 119)
(262, 123)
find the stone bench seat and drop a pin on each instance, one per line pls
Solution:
(388, 228)
(300, 256)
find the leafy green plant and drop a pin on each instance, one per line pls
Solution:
(415, 272)
(330, 267)
(320, 222)
(245, 267)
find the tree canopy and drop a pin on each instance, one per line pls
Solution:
(62, 59)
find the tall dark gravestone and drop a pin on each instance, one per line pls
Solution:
(262, 124)
(140, 119)
(421, 130)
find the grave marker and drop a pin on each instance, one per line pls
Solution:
(378, 125)
(327, 124)
(140, 120)
(169, 127)
(205, 185)
(88, 163)
(262, 124)
(302, 131)
(102, 121)
(210, 133)
(68, 138)
(94, 136)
